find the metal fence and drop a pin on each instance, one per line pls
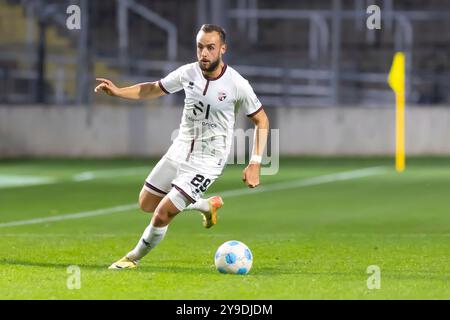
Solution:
(318, 84)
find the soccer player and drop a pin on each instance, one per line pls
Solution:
(214, 93)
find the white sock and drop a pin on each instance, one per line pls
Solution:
(200, 205)
(150, 238)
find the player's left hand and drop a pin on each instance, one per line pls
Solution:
(250, 175)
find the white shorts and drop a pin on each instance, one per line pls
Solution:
(179, 181)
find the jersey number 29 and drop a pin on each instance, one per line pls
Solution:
(200, 182)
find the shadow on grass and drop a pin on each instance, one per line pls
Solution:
(102, 267)
(202, 270)
(168, 268)
(48, 264)
(146, 268)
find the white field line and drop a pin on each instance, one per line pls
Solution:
(67, 235)
(78, 215)
(17, 181)
(348, 175)
(110, 173)
(278, 236)
(13, 181)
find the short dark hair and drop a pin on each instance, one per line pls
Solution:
(213, 27)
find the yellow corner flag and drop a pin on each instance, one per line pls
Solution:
(397, 82)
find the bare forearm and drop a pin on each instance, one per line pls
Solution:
(251, 172)
(145, 90)
(260, 137)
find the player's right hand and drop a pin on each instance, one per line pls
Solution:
(107, 86)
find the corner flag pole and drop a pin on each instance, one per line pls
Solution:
(397, 83)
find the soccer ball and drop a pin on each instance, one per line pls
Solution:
(233, 257)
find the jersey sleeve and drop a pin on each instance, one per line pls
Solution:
(172, 82)
(248, 100)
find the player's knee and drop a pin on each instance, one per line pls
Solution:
(160, 218)
(145, 205)
(148, 201)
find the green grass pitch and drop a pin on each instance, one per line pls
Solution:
(309, 241)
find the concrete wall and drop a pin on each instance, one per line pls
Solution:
(362, 131)
(143, 131)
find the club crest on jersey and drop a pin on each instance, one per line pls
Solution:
(221, 95)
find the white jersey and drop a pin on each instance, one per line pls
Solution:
(210, 108)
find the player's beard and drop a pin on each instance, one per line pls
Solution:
(212, 67)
